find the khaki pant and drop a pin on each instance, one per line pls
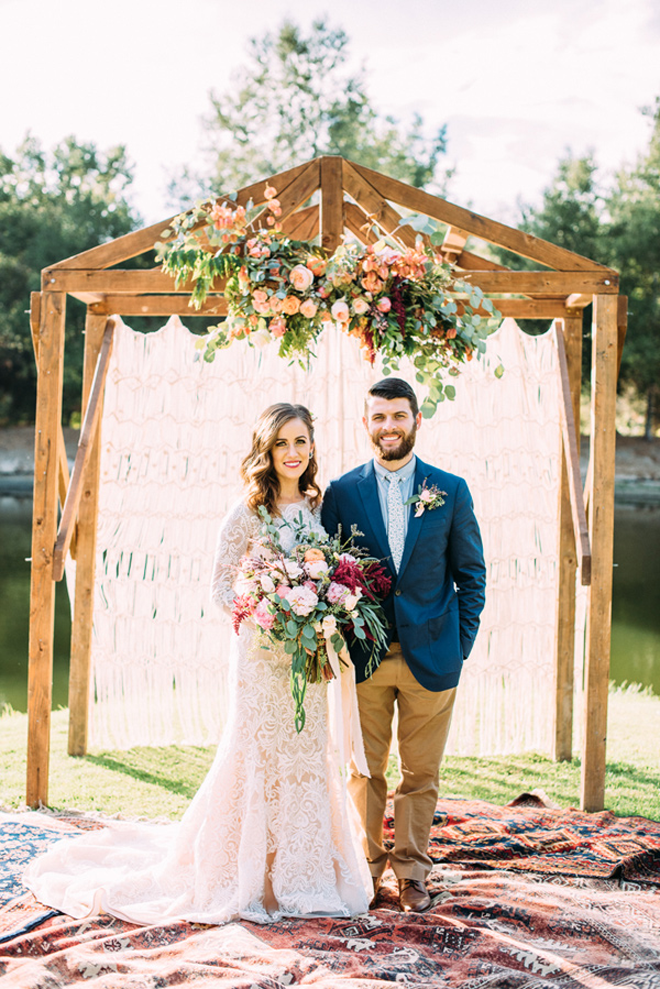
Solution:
(424, 719)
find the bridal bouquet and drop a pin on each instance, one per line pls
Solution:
(311, 600)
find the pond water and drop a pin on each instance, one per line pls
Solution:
(635, 606)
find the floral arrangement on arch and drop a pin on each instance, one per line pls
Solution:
(395, 302)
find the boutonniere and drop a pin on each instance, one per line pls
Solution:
(427, 499)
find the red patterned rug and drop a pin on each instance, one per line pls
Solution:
(488, 927)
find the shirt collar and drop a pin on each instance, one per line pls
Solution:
(403, 473)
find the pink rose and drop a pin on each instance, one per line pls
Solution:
(360, 305)
(277, 326)
(340, 311)
(263, 616)
(260, 297)
(301, 278)
(309, 309)
(384, 304)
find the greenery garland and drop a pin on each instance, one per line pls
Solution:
(397, 303)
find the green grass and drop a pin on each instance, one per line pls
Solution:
(160, 782)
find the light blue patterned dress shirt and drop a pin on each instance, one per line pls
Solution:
(407, 475)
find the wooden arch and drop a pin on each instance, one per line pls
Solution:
(357, 200)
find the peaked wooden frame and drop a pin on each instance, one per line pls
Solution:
(353, 200)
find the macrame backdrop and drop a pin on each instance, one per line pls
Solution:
(174, 432)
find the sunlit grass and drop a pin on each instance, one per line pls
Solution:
(160, 782)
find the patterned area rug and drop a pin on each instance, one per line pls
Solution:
(487, 927)
(530, 837)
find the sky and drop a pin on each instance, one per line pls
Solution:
(517, 82)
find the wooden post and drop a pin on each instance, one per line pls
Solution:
(44, 528)
(562, 734)
(81, 628)
(332, 202)
(601, 532)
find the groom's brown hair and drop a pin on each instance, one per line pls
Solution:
(390, 388)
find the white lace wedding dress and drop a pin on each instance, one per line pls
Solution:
(269, 834)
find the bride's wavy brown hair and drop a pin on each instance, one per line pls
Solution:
(257, 471)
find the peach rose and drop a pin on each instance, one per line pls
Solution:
(371, 282)
(259, 297)
(277, 326)
(301, 278)
(360, 305)
(291, 305)
(317, 266)
(309, 309)
(340, 311)
(313, 553)
(384, 304)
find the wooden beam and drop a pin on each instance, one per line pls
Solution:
(376, 206)
(62, 462)
(44, 526)
(572, 455)
(579, 300)
(553, 283)
(304, 224)
(140, 241)
(85, 446)
(454, 242)
(332, 203)
(296, 193)
(116, 280)
(621, 330)
(601, 533)
(81, 626)
(490, 230)
(158, 305)
(360, 226)
(468, 261)
(562, 733)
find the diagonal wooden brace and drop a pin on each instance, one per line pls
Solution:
(74, 493)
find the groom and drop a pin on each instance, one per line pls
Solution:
(436, 561)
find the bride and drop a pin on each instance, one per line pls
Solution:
(271, 832)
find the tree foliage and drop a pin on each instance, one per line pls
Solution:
(633, 231)
(296, 99)
(52, 205)
(618, 226)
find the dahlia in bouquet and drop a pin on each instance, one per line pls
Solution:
(312, 600)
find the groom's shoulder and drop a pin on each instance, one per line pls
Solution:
(351, 476)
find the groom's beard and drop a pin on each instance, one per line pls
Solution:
(400, 450)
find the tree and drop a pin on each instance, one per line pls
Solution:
(634, 235)
(571, 215)
(52, 205)
(294, 100)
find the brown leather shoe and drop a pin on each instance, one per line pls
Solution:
(377, 884)
(413, 896)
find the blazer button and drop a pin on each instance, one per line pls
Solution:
(397, 593)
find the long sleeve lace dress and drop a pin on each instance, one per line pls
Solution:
(269, 834)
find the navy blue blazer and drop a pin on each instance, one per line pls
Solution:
(439, 593)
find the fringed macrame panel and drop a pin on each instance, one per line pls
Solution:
(174, 432)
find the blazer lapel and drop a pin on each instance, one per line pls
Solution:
(414, 522)
(376, 534)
